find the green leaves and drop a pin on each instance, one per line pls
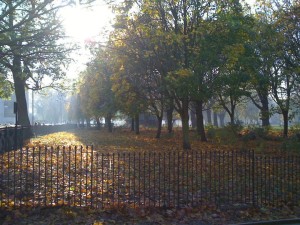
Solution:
(95, 91)
(32, 48)
(5, 87)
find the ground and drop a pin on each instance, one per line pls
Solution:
(124, 140)
(70, 216)
(264, 142)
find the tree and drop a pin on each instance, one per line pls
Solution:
(234, 32)
(5, 87)
(73, 109)
(142, 50)
(260, 81)
(204, 64)
(98, 99)
(185, 20)
(282, 54)
(45, 101)
(264, 47)
(31, 46)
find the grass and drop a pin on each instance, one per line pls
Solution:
(125, 140)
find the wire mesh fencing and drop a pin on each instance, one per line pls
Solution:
(83, 177)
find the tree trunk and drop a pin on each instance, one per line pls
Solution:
(285, 115)
(231, 115)
(208, 114)
(19, 84)
(265, 114)
(215, 119)
(222, 118)
(184, 114)
(88, 122)
(108, 123)
(137, 124)
(132, 124)
(98, 123)
(170, 118)
(193, 116)
(200, 124)
(159, 124)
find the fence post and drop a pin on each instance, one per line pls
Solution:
(15, 137)
(21, 138)
(253, 179)
(6, 139)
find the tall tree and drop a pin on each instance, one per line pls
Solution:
(264, 50)
(186, 80)
(281, 19)
(96, 89)
(260, 77)
(5, 87)
(145, 56)
(31, 46)
(234, 32)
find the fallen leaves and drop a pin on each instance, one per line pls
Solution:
(79, 216)
(123, 141)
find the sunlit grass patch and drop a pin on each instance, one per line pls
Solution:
(59, 138)
(124, 140)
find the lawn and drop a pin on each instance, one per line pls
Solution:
(269, 142)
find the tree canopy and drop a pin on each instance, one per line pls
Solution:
(182, 54)
(162, 56)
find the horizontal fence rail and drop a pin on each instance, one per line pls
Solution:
(81, 176)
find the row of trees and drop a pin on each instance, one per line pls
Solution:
(161, 56)
(179, 54)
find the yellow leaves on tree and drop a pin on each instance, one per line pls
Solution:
(233, 53)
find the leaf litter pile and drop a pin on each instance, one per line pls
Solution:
(56, 178)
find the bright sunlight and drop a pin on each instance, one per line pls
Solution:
(85, 24)
(88, 24)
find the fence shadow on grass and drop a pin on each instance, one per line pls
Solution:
(80, 176)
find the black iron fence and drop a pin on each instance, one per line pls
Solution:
(13, 137)
(77, 176)
(41, 129)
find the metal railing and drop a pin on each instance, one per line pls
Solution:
(41, 129)
(81, 176)
(13, 137)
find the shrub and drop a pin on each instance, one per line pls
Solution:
(234, 128)
(211, 131)
(253, 132)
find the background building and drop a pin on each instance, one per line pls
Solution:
(7, 116)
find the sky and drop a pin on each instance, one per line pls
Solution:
(83, 25)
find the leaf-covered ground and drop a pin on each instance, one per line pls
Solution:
(124, 140)
(198, 216)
